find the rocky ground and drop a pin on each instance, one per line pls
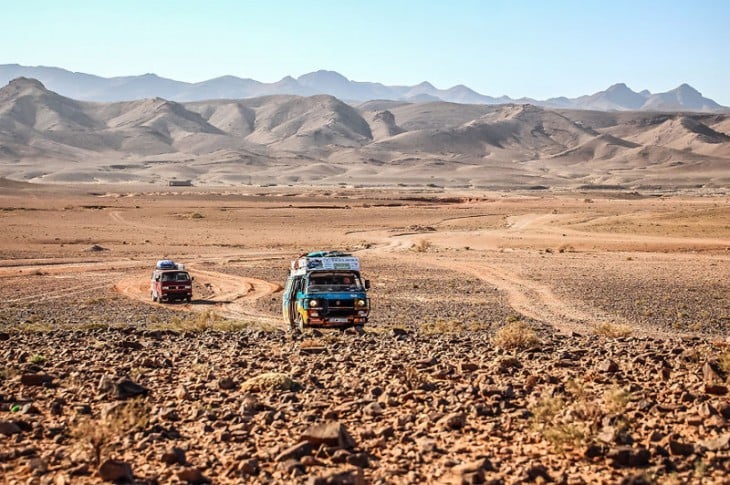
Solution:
(161, 406)
(513, 339)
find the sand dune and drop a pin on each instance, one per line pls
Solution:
(45, 137)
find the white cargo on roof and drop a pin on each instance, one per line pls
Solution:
(325, 261)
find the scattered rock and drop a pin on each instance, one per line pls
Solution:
(295, 452)
(249, 467)
(330, 433)
(472, 471)
(175, 455)
(226, 384)
(453, 421)
(125, 389)
(192, 475)
(681, 448)
(116, 471)
(353, 476)
(8, 427)
(722, 442)
(35, 379)
(608, 366)
(182, 393)
(626, 456)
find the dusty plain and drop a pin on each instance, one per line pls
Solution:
(625, 291)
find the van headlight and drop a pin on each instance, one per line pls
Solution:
(313, 303)
(361, 303)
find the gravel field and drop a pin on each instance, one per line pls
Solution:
(513, 338)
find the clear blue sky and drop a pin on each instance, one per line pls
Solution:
(538, 48)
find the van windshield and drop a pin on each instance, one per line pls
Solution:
(176, 276)
(334, 282)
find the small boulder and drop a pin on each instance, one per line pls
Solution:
(226, 384)
(330, 433)
(192, 475)
(125, 389)
(353, 476)
(295, 452)
(608, 366)
(680, 448)
(35, 379)
(174, 455)
(8, 427)
(116, 471)
(721, 442)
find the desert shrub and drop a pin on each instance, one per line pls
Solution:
(37, 359)
(440, 327)
(414, 379)
(197, 215)
(572, 419)
(616, 400)
(612, 330)
(422, 246)
(516, 335)
(207, 320)
(100, 435)
(724, 361)
(552, 418)
(270, 381)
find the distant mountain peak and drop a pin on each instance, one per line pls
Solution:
(324, 75)
(685, 88)
(25, 82)
(88, 87)
(618, 86)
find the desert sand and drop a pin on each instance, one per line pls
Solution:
(621, 297)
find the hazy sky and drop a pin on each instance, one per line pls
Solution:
(539, 48)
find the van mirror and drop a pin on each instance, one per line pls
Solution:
(192, 278)
(367, 284)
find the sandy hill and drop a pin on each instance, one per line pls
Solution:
(283, 139)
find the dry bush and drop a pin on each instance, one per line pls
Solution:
(516, 335)
(422, 246)
(413, 379)
(310, 343)
(99, 435)
(440, 327)
(207, 320)
(551, 417)
(616, 400)
(612, 330)
(571, 420)
(724, 362)
(38, 359)
(270, 381)
(566, 248)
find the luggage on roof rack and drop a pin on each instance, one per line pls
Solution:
(166, 264)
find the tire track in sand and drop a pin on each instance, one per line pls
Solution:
(231, 296)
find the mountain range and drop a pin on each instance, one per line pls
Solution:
(286, 139)
(88, 87)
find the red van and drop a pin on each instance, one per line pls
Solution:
(171, 283)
